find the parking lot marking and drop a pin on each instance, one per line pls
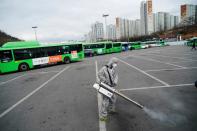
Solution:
(164, 83)
(84, 64)
(193, 55)
(11, 79)
(30, 94)
(102, 124)
(155, 87)
(184, 61)
(42, 72)
(170, 57)
(167, 63)
(186, 68)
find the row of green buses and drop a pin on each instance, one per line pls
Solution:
(25, 55)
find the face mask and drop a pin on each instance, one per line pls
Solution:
(114, 65)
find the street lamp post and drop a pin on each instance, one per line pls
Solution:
(35, 27)
(105, 16)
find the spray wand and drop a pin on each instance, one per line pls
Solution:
(109, 91)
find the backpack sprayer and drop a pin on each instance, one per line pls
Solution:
(109, 92)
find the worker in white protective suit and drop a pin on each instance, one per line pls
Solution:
(108, 75)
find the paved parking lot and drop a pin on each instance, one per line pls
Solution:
(61, 97)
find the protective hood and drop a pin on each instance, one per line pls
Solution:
(112, 61)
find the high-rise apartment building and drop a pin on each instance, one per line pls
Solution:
(146, 17)
(143, 17)
(176, 21)
(111, 32)
(188, 14)
(172, 21)
(155, 22)
(161, 21)
(97, 31)
(127, 28)
(119, 27)
(137, 31)
(164, 21)
(149, 17)
(126, 23)
(131, 28)
(167, 21)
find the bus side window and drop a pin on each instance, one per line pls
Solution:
(79, 48)
(35, 52)
(43, 52)
(65, 50)
(22, 54)
(5, 56)
(51, 51)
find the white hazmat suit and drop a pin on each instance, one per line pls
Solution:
(108, 75)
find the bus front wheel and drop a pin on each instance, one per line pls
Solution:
(23, 67)
(66, 60)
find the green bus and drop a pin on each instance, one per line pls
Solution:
(111, 47)
(25, 55)
(94, 48)
(191, 41)
(135, 45)
(108, 47)
(117, 47)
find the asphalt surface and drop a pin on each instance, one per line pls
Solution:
(61, 97)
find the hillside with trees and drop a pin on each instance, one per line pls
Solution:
(6, 38)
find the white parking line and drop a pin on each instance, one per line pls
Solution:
(193, 55)
(184, 61)
(11, 79)
(42, 72)
(155, 87)
(102, 124)
(164, 83)
(167, 63)
(186, 68)
(30, 94)
(84, 64)
(171, 57)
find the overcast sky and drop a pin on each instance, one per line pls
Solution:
(60, 20)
